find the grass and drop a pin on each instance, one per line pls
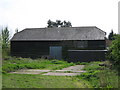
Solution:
(13, 64)
(100, 77)
(40, 81)
(96, 76)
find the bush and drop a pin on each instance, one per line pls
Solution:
(114, 52)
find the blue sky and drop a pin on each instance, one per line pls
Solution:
(35, 13)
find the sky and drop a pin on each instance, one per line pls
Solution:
(23, 14)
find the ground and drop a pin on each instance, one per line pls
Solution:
(38, 73)
(46, 78)
(69, 71)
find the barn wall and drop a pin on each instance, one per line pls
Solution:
(86, 56)
(96, 45)
(41, 48)
(31, 48)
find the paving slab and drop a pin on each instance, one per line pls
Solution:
(61, 74)
(30, 71)
(26, 72)
(68, 71)
(79, 71)
(38, 70)
(74, 68)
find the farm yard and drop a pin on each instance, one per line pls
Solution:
(93, 68)
(59, 44)
(95, 76)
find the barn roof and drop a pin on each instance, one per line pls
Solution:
(60, 33)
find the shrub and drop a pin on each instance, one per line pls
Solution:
(114, 52)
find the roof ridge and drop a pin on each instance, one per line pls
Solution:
(66, 33)
(61, 27)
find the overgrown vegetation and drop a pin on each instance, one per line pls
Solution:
(13, 64)
(114, 52)
(100, 76)
(40, 81)
(96, 76)
(5, 42)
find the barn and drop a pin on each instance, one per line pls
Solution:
(68, 43)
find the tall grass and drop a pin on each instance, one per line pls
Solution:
(5, 52)
(13, 64)
(100, 77)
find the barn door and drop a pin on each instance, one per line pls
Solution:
(56, 52)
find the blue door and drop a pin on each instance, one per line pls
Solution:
(56, 52)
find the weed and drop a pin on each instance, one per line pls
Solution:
(20, 63)
(100, 77)
(40, 81)
(81, 63)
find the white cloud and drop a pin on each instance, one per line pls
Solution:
(35, 13)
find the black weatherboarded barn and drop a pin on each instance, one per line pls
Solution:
(68, 43)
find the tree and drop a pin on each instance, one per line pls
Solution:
(110, 36)
(66, 24)
(16, 30)
(114, 51)
(49, 23)
(5, 37)
(58, 23)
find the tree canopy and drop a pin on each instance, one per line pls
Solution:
(59, 23)
(114, 51)
(5, 37)
(110, 36)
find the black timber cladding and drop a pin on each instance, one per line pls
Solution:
(36, 42)
(86, 55)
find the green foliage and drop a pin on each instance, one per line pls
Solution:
(114, 52)
(92, 66)
(5, 37)
(13, 64)
(92, 69)
(42, 81)
(81, 63)
(65, 65)
(92, 77)
(110, 36)
(90, 74)
(99, 76)
(6, 52)
(108, 78)
(58, 23)
(5, 42)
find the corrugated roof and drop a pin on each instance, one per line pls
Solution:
(61, 33)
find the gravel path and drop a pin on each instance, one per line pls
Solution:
(69, 71)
